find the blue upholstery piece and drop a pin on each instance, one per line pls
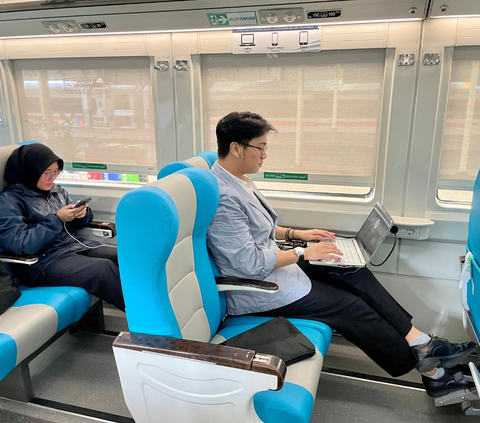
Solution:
(209, 156)
(148, 309)
(208, 197)
(319, 333)
(69, 303)
(172, 168)
(473, 242)
(63, 303)
(474, 300)
(82, 300)
(283, 406)
(473, 246)
(8, 356)
(221, 295)
(29, 142)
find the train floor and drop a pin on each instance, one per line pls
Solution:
(75, 381)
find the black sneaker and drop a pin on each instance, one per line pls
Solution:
(453, 380)
(439, 352)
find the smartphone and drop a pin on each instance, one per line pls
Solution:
(82, 202)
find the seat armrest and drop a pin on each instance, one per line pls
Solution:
(27, 259)
(102, 229)
(220, 355)
(232, 283)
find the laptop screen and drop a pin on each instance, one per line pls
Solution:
(374, 230)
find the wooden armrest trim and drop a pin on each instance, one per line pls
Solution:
(252, 283)
(103, 225)
(222, 355)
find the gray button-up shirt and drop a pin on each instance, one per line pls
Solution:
(241, 239)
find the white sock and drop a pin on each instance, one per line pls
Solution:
(438, 374)
(421, 339)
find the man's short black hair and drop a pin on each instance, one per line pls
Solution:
(240, 127)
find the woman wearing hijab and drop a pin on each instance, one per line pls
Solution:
(38, 217)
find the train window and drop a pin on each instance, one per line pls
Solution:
(460, 154)
(325, 106)
(97, 114)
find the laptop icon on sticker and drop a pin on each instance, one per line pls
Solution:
(247, 40)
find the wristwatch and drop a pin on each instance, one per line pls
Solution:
(299, 252)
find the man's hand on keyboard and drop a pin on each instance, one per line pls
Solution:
(313, 235)
(322, 251)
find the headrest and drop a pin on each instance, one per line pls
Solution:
(173, 167)
(204, 160)
(209, 156)
(4, 155)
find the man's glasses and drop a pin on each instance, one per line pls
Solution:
(49, 176)
(262, 150)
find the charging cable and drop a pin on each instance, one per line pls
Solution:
(80, 242)
(393, 230)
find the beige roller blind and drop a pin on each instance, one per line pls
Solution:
(325, 106)
(89, 110)
(460, 156)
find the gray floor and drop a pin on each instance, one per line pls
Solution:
(79, 370)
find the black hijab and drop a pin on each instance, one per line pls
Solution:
(28, 162)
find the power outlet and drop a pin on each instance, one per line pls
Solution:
(412, 227)
(412, 232)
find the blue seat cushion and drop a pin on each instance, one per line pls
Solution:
(70, 302)
(8, 354)
(292, 404)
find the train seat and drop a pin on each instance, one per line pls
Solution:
(169, 363)
(37, 318)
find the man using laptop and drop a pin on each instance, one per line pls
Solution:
(242, 237)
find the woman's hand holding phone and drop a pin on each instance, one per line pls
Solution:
(74, 211)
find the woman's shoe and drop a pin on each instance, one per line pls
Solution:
(453, 380)
(439, 352)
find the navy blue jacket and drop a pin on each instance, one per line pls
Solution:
(29, 225)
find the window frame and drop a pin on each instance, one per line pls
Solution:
(333, 180)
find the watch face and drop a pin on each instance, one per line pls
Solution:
(299, 251)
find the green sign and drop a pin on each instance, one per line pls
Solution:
(218, 19)
(95, 166)
(232, 19)
(126, 177)
(297, 176)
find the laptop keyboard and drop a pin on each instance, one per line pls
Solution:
(350, 254)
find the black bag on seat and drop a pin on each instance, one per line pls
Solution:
(277, 337)
(8, 292)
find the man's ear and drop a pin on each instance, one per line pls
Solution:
(235, 149)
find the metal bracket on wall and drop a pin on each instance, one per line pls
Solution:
(162, 66)
(431, 59)
(181, 65)
(406, 59)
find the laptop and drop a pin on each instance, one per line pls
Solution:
(359, 250)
